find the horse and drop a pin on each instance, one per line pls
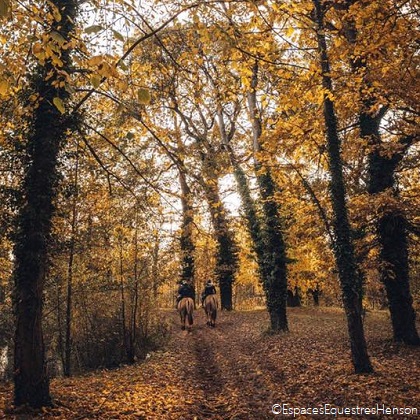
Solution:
(210, 307)
(186, 309)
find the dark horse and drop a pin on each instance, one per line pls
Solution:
(186, 309)
(210, 306)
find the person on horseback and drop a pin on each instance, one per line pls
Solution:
(185, 290)
(209, 289)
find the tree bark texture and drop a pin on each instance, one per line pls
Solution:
(187, 244)
(47, 132)
(343, 247)
(275, 253)
(274, 247)
(68, 345)
(391, 226)
(226, 258)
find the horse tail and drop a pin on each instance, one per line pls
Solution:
(190, 309)
(215, 305)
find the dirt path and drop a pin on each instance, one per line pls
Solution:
(232, 384)
(237, 372)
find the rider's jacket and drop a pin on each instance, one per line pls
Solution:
(186, 290)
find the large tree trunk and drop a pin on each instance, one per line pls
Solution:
(252, 217)
(344, 250)
(275, 251)
(390, 226)
(274, 259)
(392, 234)
(187, 244)
(48, 130)
(226, 258)
(186, 241)
(278, 321)
(248, 203)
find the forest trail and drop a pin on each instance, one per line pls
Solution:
(237, 372)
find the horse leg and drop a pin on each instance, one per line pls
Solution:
(213, 317)
(190, 321)
(207, 318)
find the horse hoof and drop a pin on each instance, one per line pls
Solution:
(182, 328)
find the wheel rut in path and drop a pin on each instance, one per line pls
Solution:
(228, 381)
(214, 404)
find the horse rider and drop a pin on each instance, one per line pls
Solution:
(185, 290)
(209, 289)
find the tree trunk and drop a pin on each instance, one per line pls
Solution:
(392, 234)
(344, 251)
(252, 218)
(67, 359)
(155, 266)
(391, 226)
(48, 130)
(315, 295)
(274, 258)
(187, 244)
(275, 254)
(132, 333)
(226, 258)
(293, 298)
(249, 206)
(124, 331)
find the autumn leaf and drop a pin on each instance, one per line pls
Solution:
(93, 29)
(4, 87)
(118, 35)
(4, 8)
(58, 38)
(143, 95)
(59, 104)
(96, 60)
(95, 79)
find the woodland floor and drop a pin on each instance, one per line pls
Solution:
(237, 371)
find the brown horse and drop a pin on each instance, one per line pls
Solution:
(186, 309)
(210, 307)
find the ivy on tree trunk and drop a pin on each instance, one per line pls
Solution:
(391, 228)
(186, 242)
(272, 246)
(226, 257)
(350, 279)
(45, 138)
